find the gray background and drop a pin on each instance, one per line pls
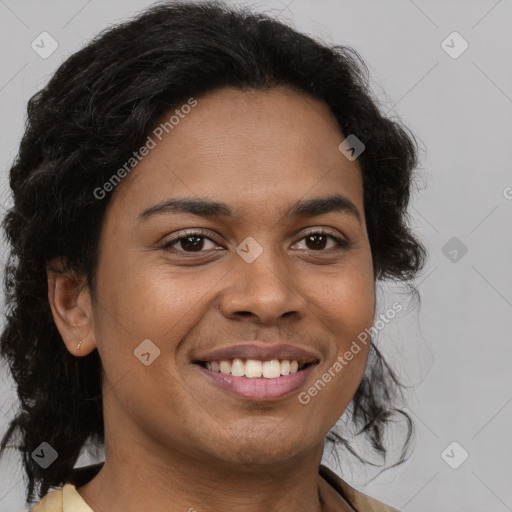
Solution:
(454, 350)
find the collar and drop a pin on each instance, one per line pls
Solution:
(67, 498)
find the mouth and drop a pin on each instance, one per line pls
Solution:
(256, 369)
(257, 380)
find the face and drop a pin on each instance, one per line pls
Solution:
(194, 281)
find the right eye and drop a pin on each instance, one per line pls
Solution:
(190, 241)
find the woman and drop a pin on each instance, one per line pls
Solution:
(204, 202)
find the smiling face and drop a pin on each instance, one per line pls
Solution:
(259, 153)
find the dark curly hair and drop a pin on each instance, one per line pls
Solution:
(100, 106)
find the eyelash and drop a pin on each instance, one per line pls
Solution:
(340, 243)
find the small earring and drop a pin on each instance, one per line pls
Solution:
(79, 345)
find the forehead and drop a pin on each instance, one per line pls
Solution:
(246, 148)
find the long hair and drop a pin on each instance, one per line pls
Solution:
(96, 110)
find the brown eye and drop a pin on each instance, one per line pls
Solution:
(192, 241)
(318, 240)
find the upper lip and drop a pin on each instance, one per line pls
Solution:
(259, 351)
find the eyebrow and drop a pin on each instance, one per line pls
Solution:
(208, 208)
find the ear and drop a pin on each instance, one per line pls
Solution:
(71, 305)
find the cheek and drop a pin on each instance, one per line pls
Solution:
(151, 301)
(135, 306)
(345, 306)
(348, 313)
(345, 301)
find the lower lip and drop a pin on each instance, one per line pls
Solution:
(259, 388)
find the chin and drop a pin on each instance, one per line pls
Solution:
(259, 451)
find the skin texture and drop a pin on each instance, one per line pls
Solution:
(172, 437)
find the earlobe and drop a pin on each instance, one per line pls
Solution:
(70, 302)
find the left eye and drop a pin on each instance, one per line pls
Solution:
(319, 238)
(194, 241)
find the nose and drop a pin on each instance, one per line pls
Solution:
(264, 291)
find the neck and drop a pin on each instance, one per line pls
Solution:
(186, 483)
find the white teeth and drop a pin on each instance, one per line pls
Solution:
(254, 369)
(285, 367)
(271, 369)
(237, 368)
(224, 367)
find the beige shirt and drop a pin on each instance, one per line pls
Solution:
(67, 499)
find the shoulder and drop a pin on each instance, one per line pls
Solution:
(52, 502)
(361, 502)
(62, 499)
